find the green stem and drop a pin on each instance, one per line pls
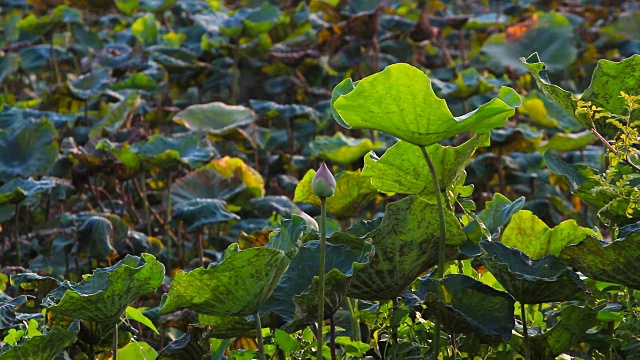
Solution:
(323, 245)
(115, 341)
(259, 336)
(145, 203)
(441, 241)
(355, 324)
(523, 316)
(54, 60)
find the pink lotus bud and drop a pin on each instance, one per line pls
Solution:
(324, 184)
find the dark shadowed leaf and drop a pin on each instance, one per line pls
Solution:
(87, 86)
(8, 311)
(201, 212)
(496, 214)
(95, 239)
(28, 149)
(45, 346)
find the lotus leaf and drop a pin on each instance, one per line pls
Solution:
(236, 169)
(9, 63)
(226, 327)
(104, 296)
(412, 112)
(87, 86)
(289, 235)
(201, 212)
(117, 116)
(214, 117)
(43, 347)
(402, 168)
(236, 286)
(95, 239)
(527, 233)
(569, 142)
(208, 184)
(17, 190)
(39, 56)
(520, 139)
(341, 149)
(28, 149)
(465, 305)
(185, 347)
(137, 350)
(496, 214)
(406, 245)
(169, 152)
(146, 28)
(8, 311)
(353, 193)
(287, 111)
(174, 59)
(267, 205)
(531, 281)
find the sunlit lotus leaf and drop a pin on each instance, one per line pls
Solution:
(465, 305)
(137, 81)
(137, 350)
(201, 212)
(406, 245)
(611, 203)
(295, 299)
(533, 237)
(569, 330)
(214, 117)
(531, 281)
(46, 346)
(608, 80)
(400, 101)
(236, 171)
(108, 290)
(27, 149)
(95, 239)
(546, 113)
(85, 87)
(353, 193)
(146, 28)
(569, 142)
(46, 23)
(17, 190)
(615, 261)
(169, 152)
(551, 36)
(341, 149)
(403, 169)
(496, 214)
(128, 7)
(236, 286)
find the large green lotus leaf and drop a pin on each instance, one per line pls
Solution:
(165, 152)
(28, 149)
(531, 281)
(610, 202)
(465, 305)
(17, 190)
(552, 37)
(496, 214)
(533, 237)
(9, 63)
(93, 84)
(400, 101)
(341, 149)
(570, 330)
(236, 286)
(406, 245)
(615, 261)
(608, 80)
(43, 347)
(402, 168)
(546, 113)
(569, 142)
(104, 296)
(353, 193)
(95, 239)
(201, 212)
(8, 311)
(283, 111)
(295, 299)
(214, 117)
(137, 350)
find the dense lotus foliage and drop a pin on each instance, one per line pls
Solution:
(478, 164)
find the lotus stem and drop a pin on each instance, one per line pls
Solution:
(201, 248)
(441, 241)
(523, 316)
(332, 338)
(115, 341)
(355, 325)
(259, 336)
(323, 246)
(54, 60)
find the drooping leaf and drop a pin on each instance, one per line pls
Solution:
(532, 236)
(214, 117)
(236, 286)
(17, 190)
(95, 239)
(353, 193)
(551, 36)
(531, 281)
(201, 212)
(402, 168)
(295, 299)
(465, 305)
(8, 311)
(400, 101)
(614, 261)
(341, 149)
(87, 86)
(45, 346)
(570, 329)
(137, 315)
(108, 290)
(406, 245)
(28, 149)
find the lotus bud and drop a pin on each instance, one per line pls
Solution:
(311, 222)
(324, 184)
